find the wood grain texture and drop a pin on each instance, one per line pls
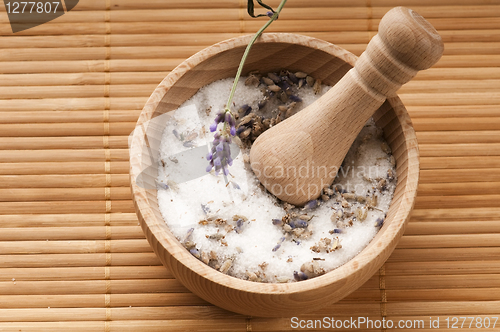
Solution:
(273, 51)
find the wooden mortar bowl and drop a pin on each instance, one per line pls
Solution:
(272, 52)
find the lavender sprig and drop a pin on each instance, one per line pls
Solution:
(219, 157)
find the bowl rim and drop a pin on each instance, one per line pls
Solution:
(383, 243)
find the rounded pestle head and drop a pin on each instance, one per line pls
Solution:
(410, 38)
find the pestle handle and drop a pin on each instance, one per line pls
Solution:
(405, 44)
(295, 159)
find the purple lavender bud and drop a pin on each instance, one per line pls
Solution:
(278, 222)
(219, 117)
(217, 162)
(270, 13)
(220, 147)
(379, 222)
(195, 252)
(209, 168)
(245, 109)
(299, 276)
(295, 98)
(232, 131)
(209, 156)
(239, 225)
(284, 85)
(205, 208)
(229, 161)
(311, 204)
(298, 223)
(213, 127)
(230, 119)
(176, 134)
(188, 144)
(337, 230)
(225, 171)
(240, 130)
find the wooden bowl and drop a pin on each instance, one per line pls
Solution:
(272, 52)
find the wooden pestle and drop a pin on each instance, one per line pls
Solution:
(295, 159)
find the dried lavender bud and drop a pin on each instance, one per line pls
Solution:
(195, 252)
(176, 134)
(299, 276)
(206, 210)
(298, 223)
(239, 225)
(278, 222)
(277, 246)
(245, 110)
(294, 98)
(293, 77)
(311, 204)
(262, 103)
(274, 77)
(267, 81)
(379, 222)
(300, 74)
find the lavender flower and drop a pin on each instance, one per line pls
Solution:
(219, 157)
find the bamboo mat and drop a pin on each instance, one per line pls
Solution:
(72, 255)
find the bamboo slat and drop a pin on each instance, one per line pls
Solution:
(46, 207)
(483, 136)
(79, 260)
(463, 213)
(80, 142)
(73, 104)
(91, 287)
(83, 273)
(69, 116)
(81, 79)
(66, 129)
(466, 188)
(68, 220)
(459, 162)
(75, 246)
(459, 111)
(71, 233)
(453, 227)
(66, 181)
(69, 236)
(456, 150)
(460, 175)
(63, 155)
(98, 300)
(67, 167)
(209, 38)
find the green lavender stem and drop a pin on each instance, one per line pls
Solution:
(247, 50)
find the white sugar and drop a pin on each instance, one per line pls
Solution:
(189, 197)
